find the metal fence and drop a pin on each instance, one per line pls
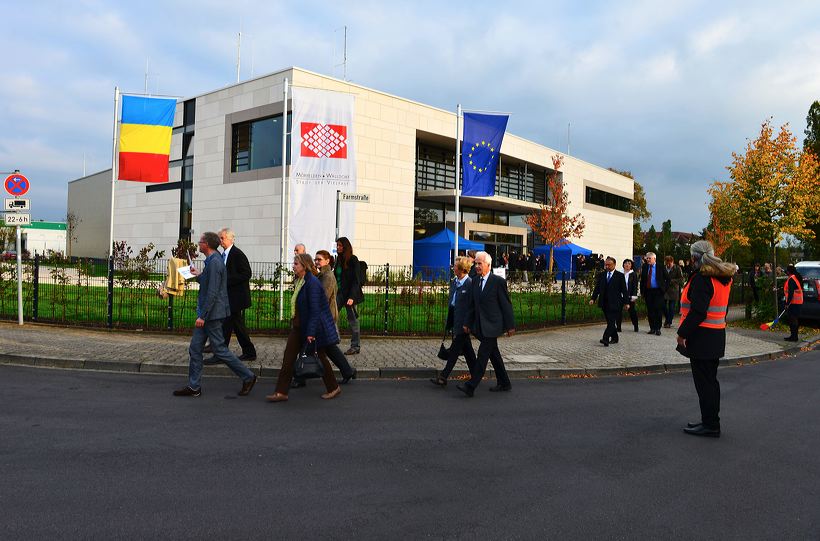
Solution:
(399, 300)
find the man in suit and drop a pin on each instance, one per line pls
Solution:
(631, 280)
(461, 298)
(612, 296)
(211, 308)
(654, 283)
(491, 314)
(239, 294)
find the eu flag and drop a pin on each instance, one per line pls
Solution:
(479, 156)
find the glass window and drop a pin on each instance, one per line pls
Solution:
(257, 144)
(428, 219)
(482, 236)
(601, 198)
(469, 215)
(485, 216)
(435, 168)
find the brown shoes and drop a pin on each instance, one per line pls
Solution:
(332, 394)
(247, 386)
(187, 391)
(277, 397)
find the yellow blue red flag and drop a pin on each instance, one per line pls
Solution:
(145, 138)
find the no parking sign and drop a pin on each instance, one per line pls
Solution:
(16, 184)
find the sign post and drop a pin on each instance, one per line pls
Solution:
(348, 198)
(17, 185)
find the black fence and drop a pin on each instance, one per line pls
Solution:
(399, 300)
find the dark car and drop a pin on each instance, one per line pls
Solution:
(810, 271)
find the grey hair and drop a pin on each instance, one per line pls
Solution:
(651, 254)
(704, 254)
(486, 257)
(228, 232)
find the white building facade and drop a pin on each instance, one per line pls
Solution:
(226, 171)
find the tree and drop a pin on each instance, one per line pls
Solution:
(638, 207)
(773, 188)
(812, 140)
(551, 221)
(724, 224)
(71, 223)
(8, 235)
(666, 243)
(651, 240)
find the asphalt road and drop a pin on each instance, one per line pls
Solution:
(111, 456)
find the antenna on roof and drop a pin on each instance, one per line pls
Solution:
(568, 139)
(238, 54)
(344, 53)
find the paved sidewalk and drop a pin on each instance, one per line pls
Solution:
(557, 352)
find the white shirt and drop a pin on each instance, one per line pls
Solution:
(225, 253)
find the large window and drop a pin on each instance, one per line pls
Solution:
(257, 144)
(436, 170)
(601, 198)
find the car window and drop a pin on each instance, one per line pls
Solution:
(809, 272)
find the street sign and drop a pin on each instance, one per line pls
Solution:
(17, 204)
(16, 184)
(354, 197)
(18, 218)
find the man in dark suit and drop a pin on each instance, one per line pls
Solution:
(654, 283)
(239, 294)
(491, 315)
(612, 296)
(211, 308)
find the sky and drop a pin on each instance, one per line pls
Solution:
(666, 90)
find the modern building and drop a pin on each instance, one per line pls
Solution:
(42, 237)
(226, 170)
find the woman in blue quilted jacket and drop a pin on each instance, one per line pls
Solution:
(311, 325)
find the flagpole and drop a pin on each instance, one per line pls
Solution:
(113, 172)
(458, 187)
(283, 236)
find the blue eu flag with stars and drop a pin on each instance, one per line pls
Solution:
(483, 134)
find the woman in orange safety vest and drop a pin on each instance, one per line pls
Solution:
(702, 331)
(793, 292)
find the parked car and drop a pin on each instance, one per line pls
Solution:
(810, 271)
(8, 255)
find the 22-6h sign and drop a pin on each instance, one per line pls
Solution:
(16, 184)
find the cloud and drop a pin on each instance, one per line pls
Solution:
(717, 34)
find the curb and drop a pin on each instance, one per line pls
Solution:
(394, 373)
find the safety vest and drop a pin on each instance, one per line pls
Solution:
(797, 298)
(718, 305)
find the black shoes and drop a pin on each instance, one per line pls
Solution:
(500, 388)
(347, 378)
(187, 391)
(692, 425)
(703, 430)
(247, 386)
(604, 342)
(658, 332)
(466, 389)
(247, 357)
(614, 340)
(792, 339)
(619, 329)
(352, 351)
(651, 331)
(297, 384)
(438, 380)
(636, 328)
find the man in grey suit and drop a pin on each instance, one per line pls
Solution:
(211, 308)
(490, 316)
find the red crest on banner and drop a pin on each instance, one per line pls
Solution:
(323, 140)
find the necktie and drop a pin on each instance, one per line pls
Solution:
(608, 277)
(483, 282)
(455, 292)
(649, 277)
(225, 257)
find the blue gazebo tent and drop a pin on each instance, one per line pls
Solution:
(564, 255)
(431, 255)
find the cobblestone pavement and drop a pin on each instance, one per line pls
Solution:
(553, 352)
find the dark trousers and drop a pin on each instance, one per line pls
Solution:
(704, 373)
(461, 345)
(235, 323)
(669, 311)
(633, 315)
(488, 351)
(333, 354)
(654, 307)
(611, 331)
(292, 349)
(793, 317)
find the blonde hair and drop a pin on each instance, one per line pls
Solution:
(463, 264)
(307, 262)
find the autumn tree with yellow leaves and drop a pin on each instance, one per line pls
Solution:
(772, 188)
(551, 221)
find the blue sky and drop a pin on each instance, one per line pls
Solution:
(666, 90)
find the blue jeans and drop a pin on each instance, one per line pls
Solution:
(212, 331)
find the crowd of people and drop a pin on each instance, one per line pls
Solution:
(479, 306)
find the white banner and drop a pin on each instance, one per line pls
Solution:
(323, 160)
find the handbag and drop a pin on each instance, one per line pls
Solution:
(308, 365)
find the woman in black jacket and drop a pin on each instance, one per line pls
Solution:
(702, 331)
(350, 289)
